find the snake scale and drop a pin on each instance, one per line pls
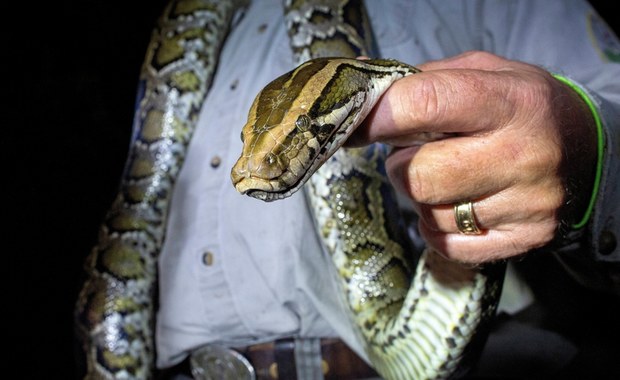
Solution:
(420, 316)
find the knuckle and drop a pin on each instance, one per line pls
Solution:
(424, 103)
(416, 179)
(428, 218)
(420, 184)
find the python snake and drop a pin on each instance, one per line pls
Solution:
(420, 316)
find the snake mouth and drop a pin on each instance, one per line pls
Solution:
(263, 189)
(266, 196)
(260, 188)
(271, 188)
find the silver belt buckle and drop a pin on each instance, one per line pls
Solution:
(213, 362)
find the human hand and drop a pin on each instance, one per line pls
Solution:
(519, 144)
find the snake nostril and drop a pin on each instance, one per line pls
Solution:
(273, 166)
(271, 159)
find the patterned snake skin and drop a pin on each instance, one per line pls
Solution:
(420, 316)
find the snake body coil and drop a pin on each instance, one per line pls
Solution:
(115, 308)
(421, 317)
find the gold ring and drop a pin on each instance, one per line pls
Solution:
(465, 220)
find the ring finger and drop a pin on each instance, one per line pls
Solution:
(500, 211)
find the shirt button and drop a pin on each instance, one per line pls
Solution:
(215, 162)
(207, 258)
(607, 243)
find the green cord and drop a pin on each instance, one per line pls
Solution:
(600, 147)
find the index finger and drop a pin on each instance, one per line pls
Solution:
(470, 94)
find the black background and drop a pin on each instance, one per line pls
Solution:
(72, 71)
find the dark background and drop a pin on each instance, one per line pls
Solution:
(72, 74)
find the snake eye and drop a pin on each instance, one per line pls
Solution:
(242, 139)
(303, 123)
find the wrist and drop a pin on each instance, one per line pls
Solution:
(584, 155)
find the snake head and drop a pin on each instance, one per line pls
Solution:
(300, 119)
(275, 162)
(282, 137)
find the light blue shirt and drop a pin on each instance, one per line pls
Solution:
(238, 271)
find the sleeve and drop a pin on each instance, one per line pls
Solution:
(594, 257)
(570, 39)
